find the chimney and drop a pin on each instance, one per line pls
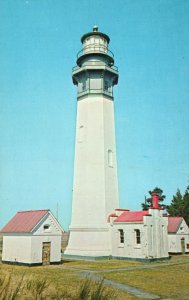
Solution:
(155, 200)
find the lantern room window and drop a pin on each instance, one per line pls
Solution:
(106, 85)
(84, 86)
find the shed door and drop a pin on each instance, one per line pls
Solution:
(183, 245)
(46, 253)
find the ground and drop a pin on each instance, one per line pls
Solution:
(121, 279)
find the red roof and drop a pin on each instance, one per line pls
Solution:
(174, 224)
(132, 216)
(24, 221)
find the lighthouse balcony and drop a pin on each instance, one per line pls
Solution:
(93, 50)
(94, 63)
(104, 91)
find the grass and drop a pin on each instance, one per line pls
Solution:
(101, 264)
(52, 282)
(169, 279)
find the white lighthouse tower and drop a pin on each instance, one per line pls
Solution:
(95, 186)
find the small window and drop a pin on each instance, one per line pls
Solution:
(110, 158)
(121, 236)
(81, 134)
(137, 236)
(46, 227)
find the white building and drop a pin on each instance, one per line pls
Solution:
(95, 187)
(139, 234)
(32, 238)
(178, 235)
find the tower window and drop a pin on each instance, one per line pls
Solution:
(137, 236)
(110, 158)
(81, 134)
(121, 236)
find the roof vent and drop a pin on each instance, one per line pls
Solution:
(95, 28)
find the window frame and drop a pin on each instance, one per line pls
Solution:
(121, 236)
(137, 237)
(46, 227)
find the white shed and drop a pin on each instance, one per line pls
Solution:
(33, 238)
(178, 235)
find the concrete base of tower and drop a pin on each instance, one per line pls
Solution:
(81, 257)
(93, 242)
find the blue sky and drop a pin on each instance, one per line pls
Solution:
(39, 43)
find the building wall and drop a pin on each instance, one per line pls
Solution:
(43, 234)
(37, 245)
(157, 234)
(175, 239)
(28, 249)
(1, 245)
(129, 249)
(16, 248)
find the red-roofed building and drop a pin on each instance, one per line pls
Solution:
(139, 234)
(32, 237)
(178, 235)
(147, 234)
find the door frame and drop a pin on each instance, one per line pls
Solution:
(46, 253)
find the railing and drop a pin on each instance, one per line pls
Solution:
(94, 63)
(95, 48)
(95, 91)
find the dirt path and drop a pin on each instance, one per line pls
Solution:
(124, 287)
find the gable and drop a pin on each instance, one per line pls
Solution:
(183, 228)
(48, 225)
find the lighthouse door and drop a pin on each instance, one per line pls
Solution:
(46, 253)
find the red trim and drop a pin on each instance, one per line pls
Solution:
(113, 215)
(122, 209)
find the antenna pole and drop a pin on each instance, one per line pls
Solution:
(57, 210)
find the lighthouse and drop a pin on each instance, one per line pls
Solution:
(95, 183)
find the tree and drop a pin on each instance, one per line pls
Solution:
(177, 205)
(186, 205)
(148, 201)
(180, 205)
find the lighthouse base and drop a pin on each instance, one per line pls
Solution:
(91, 258)
(88, 243)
